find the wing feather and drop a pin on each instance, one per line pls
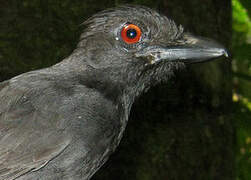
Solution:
(29, 138)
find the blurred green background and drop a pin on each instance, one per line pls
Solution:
(241, 48)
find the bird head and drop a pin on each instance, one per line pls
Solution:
(131, 48)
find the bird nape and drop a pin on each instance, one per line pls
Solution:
(63, 122)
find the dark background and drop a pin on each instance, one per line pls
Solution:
(181, 130)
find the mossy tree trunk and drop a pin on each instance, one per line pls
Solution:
(181, 130)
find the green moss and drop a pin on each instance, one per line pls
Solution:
(242, 95)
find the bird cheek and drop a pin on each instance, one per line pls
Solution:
(147, 60)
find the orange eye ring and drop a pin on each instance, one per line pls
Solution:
(131, 33)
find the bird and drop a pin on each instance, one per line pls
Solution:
(64, 121)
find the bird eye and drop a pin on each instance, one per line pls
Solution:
(131, 33)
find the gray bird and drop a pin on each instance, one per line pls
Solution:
(63, 122)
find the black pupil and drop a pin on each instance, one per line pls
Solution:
(131, 33)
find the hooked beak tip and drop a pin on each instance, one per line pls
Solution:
(226, 53)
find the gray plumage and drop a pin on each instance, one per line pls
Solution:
(63, 122)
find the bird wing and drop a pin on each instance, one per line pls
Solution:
(29, 137)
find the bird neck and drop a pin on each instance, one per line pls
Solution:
(118, 84)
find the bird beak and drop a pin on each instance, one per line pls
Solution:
(188, 49)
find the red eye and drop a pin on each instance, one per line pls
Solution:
(131, 33)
